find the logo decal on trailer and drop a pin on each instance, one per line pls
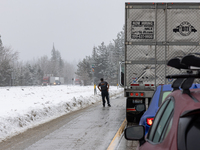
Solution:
(185, 28)
(170, 80)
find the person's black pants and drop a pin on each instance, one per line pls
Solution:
(104, 95)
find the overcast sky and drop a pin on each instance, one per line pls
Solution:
(75, 27)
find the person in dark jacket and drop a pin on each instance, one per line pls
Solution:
(104, 91)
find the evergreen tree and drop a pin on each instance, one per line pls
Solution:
(57, 63)
(54, 62)
(84, 71)
(119, 47)
(94, 65)
(118, 55)
(60, 67)
(101, 61)
(105, 60)
(112, 66)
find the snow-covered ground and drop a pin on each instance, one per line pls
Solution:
(22, 108)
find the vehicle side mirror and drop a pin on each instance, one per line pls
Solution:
(121, 75)
(140, 107)
(122, 78)
(135, 133)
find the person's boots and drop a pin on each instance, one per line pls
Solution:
(109, 105)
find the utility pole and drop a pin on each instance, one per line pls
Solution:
(95, 89)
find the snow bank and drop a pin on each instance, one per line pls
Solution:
(22, 108)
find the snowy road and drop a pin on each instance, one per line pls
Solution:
(90, 128)
(22, 108)
(126, 144)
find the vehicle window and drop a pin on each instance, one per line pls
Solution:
(168, 129)
(193, 134)
(162, 123)
(156, 121)
(165, 94)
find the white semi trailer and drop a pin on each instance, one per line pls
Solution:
(155, 33)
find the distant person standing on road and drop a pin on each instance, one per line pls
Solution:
(104, 91)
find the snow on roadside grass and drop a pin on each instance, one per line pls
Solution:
(22, 108)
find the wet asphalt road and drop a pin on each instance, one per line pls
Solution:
(125, 144)
(91, 128)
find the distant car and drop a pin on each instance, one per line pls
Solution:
(176, 125)
(159, 96)
(57, 82)
(44, 84)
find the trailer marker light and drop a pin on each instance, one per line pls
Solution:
(136, 94)
(141, 94)
(131, 109)
(135, 84)
(131, 94)
(149, 84)
(150, 121)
